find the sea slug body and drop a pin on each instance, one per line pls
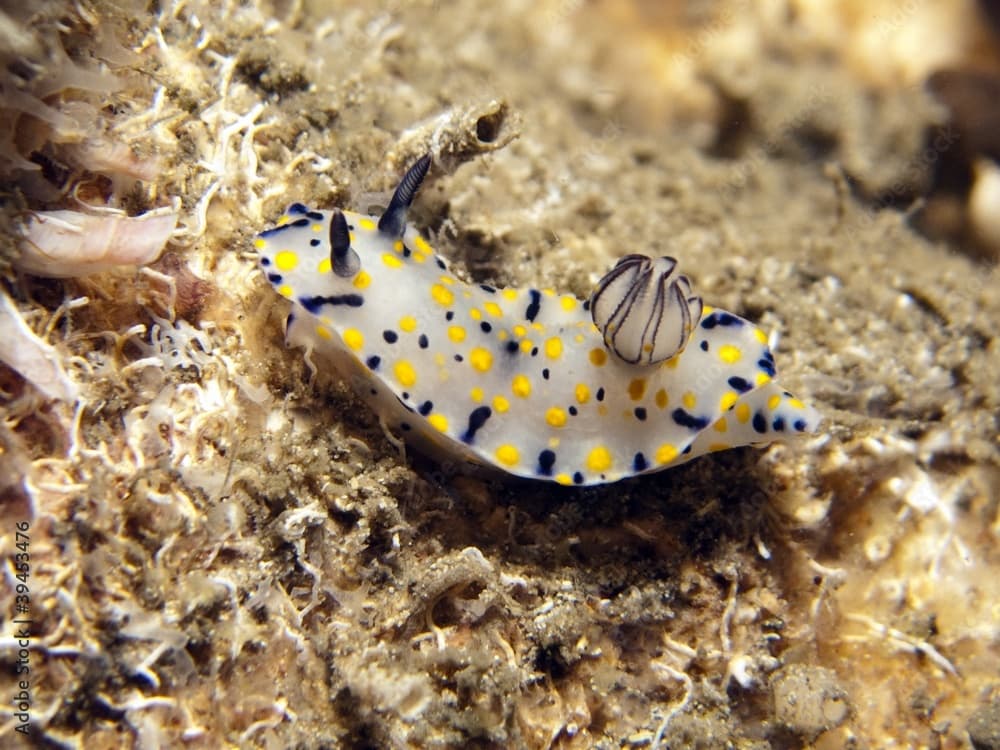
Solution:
(639, 378)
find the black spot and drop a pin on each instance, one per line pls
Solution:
(687, 450)
(314, 242)
(739, 384)
(373, 392)
(373, 362)
(407, 252)
(459, 358)
(546, 460)
(545, 373)
(640, 414)
(441, 264)
(426, 408)
(450, 315)
(315, 215)
(759, 423)
(274, 278)
(600, 394)
(639, 462)
(487, 288)
(477, 418)
(586, 304)
(684, 419)
(512, 347)
(299, 223)
(290, 319)
(534, 352)
(486, 327)
(390, 336)
(778, 425)
(799, 425)
(572, 411)
(704, 346)
(422, 342)
(721, 319)
(534, 306)
(297, 208)
(578, 478)
(284, 227)
(405, 426)
(314, 304)
(766, 366)
(265, 261)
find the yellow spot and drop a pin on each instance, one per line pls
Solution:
(520, 330)
(553, 348)
(772, 403)
(563, 479)
(728, 400)
(599, 459)
(743, 413)
(578, 338)
(761, 336)
(796, 403)
(706, 309)
(354, 338)
(476, 394)
(637, 389)
(442, 296)
(456, 333)
(582, 393)
(689, 400)
(554, 442)
(283, 220)
(762, 378)
(481, 359)
(503, 335)
(439, 422)
(568, 303)
(317, 227)
(439, 359)
(538, 326)
(475, 313)
(450, 281)
(500, 404)
(408, 323)
(526, 346)
(323, 332)
(397, 246)
(508, 455)
(556, 417)
(324, 266)
(721, 425)
(421, 244)
(665, 454)
(391, 260)
(419, 257)
(467, 295)
(549, 292)
(671, 364)
(602, 410)
(259, 243)
(662, 399)
(715, 447)
(510, 294)
(286, 260)
(521, 386)
(405, 373)
(493, 309)
(366, 224)
(362, 280)
(285, 291)
(730, 354)
(598, 357)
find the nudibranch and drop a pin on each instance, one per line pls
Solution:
(641, 377)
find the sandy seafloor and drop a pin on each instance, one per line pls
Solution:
(225, 554)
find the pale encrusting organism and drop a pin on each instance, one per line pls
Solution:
(640, 377)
